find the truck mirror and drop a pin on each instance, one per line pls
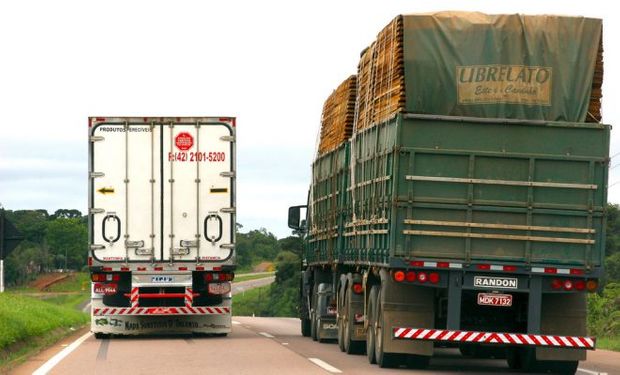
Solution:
(295, 218)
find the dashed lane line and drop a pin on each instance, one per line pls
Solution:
(47, 366)
(590, 372)
(325, 366)
(266, 335)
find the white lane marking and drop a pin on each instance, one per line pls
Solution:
(266, 335)
(285, 343)
(47, 366)
(590, 372)
(236, 322)
(325, 365)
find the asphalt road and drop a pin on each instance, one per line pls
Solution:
(256, 346)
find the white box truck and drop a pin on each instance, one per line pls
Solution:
(161, 224)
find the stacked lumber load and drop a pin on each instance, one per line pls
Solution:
(338, 115)
(594, 109)
(381, 71)
(387, 66)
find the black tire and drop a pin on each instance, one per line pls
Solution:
(220, 334)
(384, 360)
(418, 362)
(513, 358)
(370, 332)
(318, 331)
(531, 364)
(101, 335)
(305, 327)
(350, 346)
(466, 350)
(313, 328)
(341, 329)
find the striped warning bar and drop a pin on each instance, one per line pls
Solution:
(162, 311)
(494, 338)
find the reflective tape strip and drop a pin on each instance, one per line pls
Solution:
(163, 311)
(501, 338)
(135, 296)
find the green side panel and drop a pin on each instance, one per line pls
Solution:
(328, 205)
(527, 192)
(500, 66)
(462, 189)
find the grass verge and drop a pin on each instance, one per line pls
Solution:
(28, 324)
(608, 343)
(262, 275)
(251, 302)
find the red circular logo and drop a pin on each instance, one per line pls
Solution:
(184, 141)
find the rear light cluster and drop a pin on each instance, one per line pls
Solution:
(219, 277)
(578, 285)
(103, 277)
(419, 277)
(358, 288)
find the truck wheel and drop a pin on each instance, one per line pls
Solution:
(101, 335)
(531, 364)
(350, 346)
(313, 327)
(513, 358)
(341, 329)
(305, 327)
(418, 362)
(370, 332)
(384, 360)
(318, 331)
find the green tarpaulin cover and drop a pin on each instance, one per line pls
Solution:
(501, 66)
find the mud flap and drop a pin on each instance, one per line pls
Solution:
(563, 314)
(406, 306)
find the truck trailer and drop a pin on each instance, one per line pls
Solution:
(161, 224)
(473, 221)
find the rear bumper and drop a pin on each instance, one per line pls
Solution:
(494, 338)
(187, 310)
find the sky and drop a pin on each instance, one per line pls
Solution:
(271, 64)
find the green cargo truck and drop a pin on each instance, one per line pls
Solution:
(480, 233)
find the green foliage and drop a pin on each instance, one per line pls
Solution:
(612, 268)
(604, 311)
(255, 246)
(68, 237)
(22, 318)
(292, 243)
(612, 244)
(48, 239)
(252, 302)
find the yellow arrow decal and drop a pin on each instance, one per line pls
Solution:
(106, 190)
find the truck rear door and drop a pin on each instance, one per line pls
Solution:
(162, 189)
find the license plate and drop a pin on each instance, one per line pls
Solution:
(219, 288)
(494, 299)
(162, 279)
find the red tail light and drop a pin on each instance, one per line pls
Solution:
(433, 277)
(568, 285)
(580, 285)
(509, 268)
(592, 285)
(556, 284)
(103, 277)
(410, 276)
(358, 288)
(399, 276)
(208, 277)
(422, 277)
